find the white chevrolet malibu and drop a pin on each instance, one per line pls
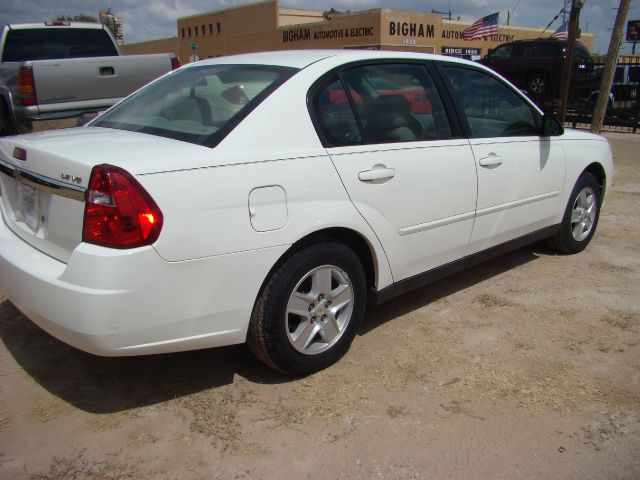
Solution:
(268, 198)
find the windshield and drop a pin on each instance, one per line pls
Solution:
(52, 43)
(198, 104)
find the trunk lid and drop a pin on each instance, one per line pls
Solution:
(43, 196)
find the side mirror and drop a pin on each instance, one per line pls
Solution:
(551, 127)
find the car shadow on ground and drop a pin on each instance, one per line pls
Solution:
(108, 385)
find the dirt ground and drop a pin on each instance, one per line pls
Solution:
(527, 366)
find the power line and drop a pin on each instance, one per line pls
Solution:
(561, 12)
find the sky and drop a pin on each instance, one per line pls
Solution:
(152, 19)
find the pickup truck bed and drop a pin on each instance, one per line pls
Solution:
(34, 86)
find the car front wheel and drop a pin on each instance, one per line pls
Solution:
(307, 313)
(580, 217)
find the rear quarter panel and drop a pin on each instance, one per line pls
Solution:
(207, 212)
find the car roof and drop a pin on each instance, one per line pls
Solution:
(303, 58)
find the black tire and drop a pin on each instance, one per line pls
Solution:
(569, 238)
(537, 84)
(6, 126)
(24, 127)
(272, 329)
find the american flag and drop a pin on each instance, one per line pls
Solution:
(561, 33)
(482, 27)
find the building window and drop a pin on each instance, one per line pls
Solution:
(218, 27)
(189, 32)
(195, 31)
(202, 30)
(183, 33)
(210, 29)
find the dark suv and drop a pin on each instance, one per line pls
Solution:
(536, 66)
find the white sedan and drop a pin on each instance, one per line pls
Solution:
(268, 198)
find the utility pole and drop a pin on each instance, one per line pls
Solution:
(568, 61)
(609, 67)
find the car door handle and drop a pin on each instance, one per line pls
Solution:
(377, 174)
(107, 71)
(491, 161)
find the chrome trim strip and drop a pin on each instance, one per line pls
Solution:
(43, 183)
(6, 169)
(517, 203)
(443, 222)
(421, 227)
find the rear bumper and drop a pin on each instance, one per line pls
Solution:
(117, 303)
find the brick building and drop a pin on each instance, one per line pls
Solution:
(266, 26)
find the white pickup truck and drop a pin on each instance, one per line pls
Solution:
(57, 70)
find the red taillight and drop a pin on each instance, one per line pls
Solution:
(175, 63)
(27, 87)
(119, 213)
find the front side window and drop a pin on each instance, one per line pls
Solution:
(199, 104)
(381, 104)
(491, 108)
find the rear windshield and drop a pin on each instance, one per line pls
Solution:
(53, 43)
(199, 104)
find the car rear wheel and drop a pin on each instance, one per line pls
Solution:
(580, 217)
(307, 313)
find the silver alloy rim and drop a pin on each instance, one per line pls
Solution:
(583, 214)
(537, 84)
(319, 309)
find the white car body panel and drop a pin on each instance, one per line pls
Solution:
(520, 194)
(424, 214)
(196, 285)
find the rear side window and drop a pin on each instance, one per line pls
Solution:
(381, 104)
(492, 109)
(51, 43)
(198, 105)
(337, 120)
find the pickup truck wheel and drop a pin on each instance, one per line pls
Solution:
(580, 217)
(307, 313)
(24, 127)
(6, 127)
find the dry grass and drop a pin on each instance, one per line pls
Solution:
(48, 410)
(326, 396)
(141, 437)
(102, 422)
(395, 411)
(284, 414)
(76, 468)
(214, 414)
(625, 320)
(6, 419)
(488, 300)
